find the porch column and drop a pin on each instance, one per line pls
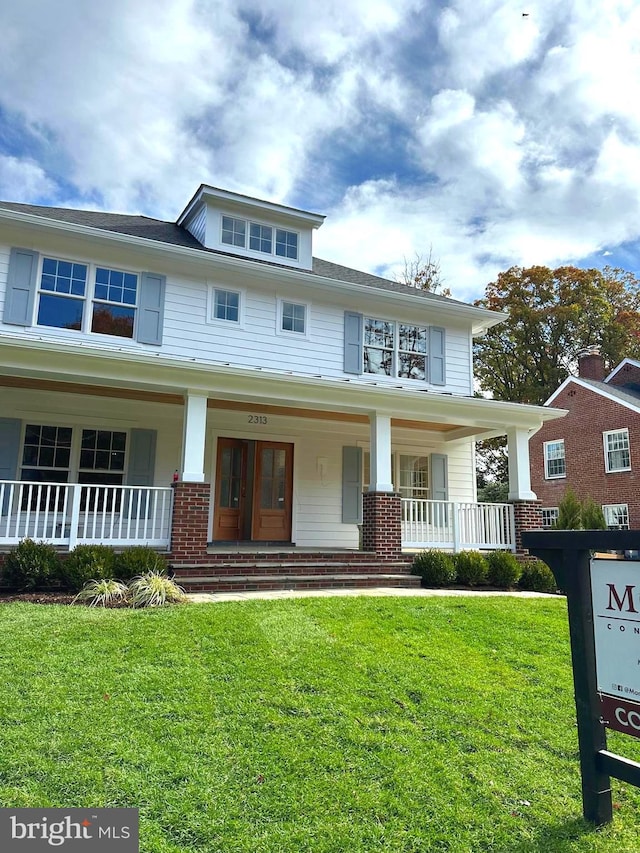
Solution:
(519, 471)
(526, 506)
(193, 438)
(381, 506)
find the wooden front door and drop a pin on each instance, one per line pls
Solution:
(254, 485)
(231, 474)
(272, 492)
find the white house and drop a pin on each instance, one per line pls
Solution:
(209, 387)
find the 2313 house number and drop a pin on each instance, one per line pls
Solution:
(257, 419)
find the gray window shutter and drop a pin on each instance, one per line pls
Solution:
(21, 287)
(438, 463)
(10, 432)
(351, 485)
(437, 365)
(151, 310)
(352, 342)
(142, 457)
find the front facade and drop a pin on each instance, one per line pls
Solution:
(595, 449)
(208, 384)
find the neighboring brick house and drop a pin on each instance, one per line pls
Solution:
(595, 449)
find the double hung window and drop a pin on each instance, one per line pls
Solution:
(549, 516)
(554, 460)
(83, 298)
(617, 454)
(616, 516)
(395, 349)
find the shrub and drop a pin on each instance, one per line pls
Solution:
(592, 516)
(569, 512)
(138, 561)
(434, 567)
(504, 569)
(31, 565)
(471, 567)
(102, 593)
(154, 589)
(538, 577)
(87, 563)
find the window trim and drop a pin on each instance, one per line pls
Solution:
(549, 509)
(605, 507)
(395, 350)
(88, 301)
(259, 253)
(607, 466)
(546, 446)
(281, 300)
(211, 305)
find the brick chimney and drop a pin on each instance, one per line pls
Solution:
(591, 364)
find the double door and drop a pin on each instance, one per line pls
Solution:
(253, 490)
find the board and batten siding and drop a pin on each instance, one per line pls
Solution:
(198, 225)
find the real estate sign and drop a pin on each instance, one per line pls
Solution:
(615, 595)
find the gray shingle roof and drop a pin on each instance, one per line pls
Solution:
(625, 395)
(173, 234)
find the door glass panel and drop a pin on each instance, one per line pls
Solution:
(231, 477)
(272, 486)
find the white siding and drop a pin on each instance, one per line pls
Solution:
(198, 225)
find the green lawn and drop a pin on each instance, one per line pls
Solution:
(341, 725)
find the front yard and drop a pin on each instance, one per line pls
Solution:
(306, 725)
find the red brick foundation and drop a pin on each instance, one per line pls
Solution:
(382, 524)
(527, 516)
(190, 521)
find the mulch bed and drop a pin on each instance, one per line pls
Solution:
(37, 597)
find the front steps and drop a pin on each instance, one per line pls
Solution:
(243, 572)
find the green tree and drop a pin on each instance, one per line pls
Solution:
(592, 516)
(569, 512)
(553, 314)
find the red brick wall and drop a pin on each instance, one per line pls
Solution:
(382, 524)
(527, 516)
(627, 375)
(190, 522)
(589, 416)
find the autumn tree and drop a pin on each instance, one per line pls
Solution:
(552, 316)
(424, 274)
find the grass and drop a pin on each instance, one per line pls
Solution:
(320, 725)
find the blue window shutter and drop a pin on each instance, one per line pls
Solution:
(437, 364)
(352, 342)
(351, 485)
(21, 287)
(438, 463)
(10, 432)
(151, 309)
(142, 457)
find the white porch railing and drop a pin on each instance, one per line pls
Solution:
(454, 526)
(69, 514)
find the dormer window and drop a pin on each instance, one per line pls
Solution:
(234, 233)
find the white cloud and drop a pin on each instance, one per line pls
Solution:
(22, 179)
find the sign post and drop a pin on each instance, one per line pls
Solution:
(603, 598)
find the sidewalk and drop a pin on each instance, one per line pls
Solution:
(214, 597)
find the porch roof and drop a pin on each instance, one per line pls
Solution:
(30, 362)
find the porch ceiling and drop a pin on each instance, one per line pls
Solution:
(37, 364)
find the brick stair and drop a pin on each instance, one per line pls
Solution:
(242, 572)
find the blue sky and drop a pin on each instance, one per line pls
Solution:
(490, 137)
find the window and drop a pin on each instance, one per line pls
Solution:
(102, 455)
(65, 287)
(410, 471)
(617, 456)
(261, 238)
(392, 349)
(293, 317)
(226, 305)
(549, 516)
(616, 516)
(46, 454)
(286, 244)
(234, 231)
(554, 461)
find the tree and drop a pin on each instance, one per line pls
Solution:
(423, 274)
(569, 512)
(553, 314)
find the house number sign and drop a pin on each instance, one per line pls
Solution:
(615, 594)
(257, 419)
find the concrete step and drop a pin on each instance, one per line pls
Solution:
(289, 568)
(229, 583)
